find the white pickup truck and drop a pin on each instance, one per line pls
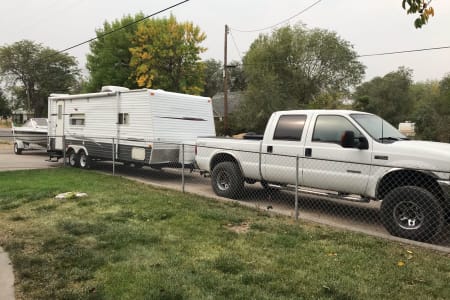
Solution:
(344, 152)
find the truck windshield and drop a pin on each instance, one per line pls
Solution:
(378, 128)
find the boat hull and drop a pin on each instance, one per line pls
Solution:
(31, 136)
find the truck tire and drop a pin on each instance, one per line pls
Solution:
(412, 212)
(84, 160)
(73, 158)
(227, 180)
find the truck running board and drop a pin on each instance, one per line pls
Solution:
(325, 193)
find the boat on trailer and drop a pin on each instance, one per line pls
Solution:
(31, 135)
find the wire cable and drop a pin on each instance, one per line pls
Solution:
(404, 51)
(125, 26)
(235, 45)
(358, 56)
(282, 22)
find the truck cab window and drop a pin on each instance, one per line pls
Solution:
(329, 129)
(290, 128)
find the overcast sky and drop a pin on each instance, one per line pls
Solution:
(370, 26)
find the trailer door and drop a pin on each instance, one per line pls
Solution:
(59, 132)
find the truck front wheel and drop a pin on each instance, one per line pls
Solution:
(227, 180)
(412, 212)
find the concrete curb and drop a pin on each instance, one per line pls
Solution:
(6, 277)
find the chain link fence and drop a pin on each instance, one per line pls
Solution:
(415, 205)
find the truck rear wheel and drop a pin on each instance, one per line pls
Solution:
(412, 212)
(227, 180)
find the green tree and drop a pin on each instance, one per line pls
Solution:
(421, 7)
(432, 111)
(425, 95)
(167, 56)
(237, 80)
(5, 109)
(213, 77)
(109, 59)
(32, 72)
(290, 68)
(387, 96)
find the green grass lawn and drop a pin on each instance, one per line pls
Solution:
(127, 240)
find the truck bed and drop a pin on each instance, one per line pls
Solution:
(246, 151)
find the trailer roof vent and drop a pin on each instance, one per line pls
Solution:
(112, 88)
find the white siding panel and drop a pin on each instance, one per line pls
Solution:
(181, 118)
(137, 105)
(100, 117)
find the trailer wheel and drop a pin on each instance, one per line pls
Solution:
(73, 158)
(227, 180)
(85, 160)
(412, 212)
(17, 150)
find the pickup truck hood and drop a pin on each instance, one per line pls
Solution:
(417, 154)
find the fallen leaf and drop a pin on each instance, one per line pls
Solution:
(409, 251)
(400, 264)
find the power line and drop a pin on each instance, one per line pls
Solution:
(404, 51)
(358, 56)
(282, 22)
(235, 45)
(123, 27)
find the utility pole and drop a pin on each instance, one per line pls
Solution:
(225, 83)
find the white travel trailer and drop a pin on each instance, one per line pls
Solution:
(139, 127)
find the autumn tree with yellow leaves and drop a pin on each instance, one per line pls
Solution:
(167, 56)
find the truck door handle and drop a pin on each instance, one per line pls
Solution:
(270, 149)
(308, 152)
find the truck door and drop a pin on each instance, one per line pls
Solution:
(283, 142)
(327, 165)
(59, 124)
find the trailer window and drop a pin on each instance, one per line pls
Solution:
(123, 118)
(290, 128)
(77, 119)
(59, 112)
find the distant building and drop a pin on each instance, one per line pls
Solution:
(407, 128)
(347, 101)
(234, 99)
(19, 116)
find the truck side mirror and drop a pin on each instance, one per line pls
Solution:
(363, 143)
(348, 139)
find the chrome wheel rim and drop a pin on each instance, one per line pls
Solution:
(83, 160)
(72, 160)
(408, 215)
(223, 181)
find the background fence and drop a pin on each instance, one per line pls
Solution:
(414, 205)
